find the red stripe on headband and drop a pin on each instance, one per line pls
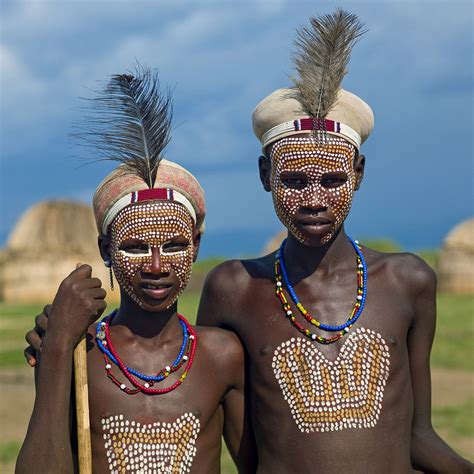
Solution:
(315, 124)
(151, 194)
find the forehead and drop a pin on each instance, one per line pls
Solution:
(300, 152)
(151, 219)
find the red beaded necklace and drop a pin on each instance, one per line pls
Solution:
(146, 387)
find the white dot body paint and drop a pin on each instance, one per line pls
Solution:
(307, 155)
(154, 223)
(155, 447)
(329, 396)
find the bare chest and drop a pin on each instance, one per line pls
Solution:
(159, 431)
(312, 387)
(264, 324)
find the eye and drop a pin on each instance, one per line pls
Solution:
(175, 246)
(333, 180)
(294, 180)
(135, 247)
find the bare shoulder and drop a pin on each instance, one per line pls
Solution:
(212, 341)
(404, 269)
(236, 275)
(225, 275)
(216, 340)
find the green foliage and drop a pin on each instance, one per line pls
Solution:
(382, 245)
(188, 305)
(430, 256)
(200, 270)
(206, 265)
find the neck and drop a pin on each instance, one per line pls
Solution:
(302, 260)
(146, 323)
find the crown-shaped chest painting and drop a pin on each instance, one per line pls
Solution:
(157, 447)
(328, 395)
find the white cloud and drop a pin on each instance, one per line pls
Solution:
(224, 57)
(16, 76)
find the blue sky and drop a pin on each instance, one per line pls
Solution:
(414, 67)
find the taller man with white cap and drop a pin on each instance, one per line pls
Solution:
(337, 336)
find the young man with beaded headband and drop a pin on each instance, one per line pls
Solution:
(161, 391)
(338, 335)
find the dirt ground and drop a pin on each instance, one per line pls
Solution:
(450, 388)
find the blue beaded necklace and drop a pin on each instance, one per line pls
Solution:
(358, 308)
(100, 337)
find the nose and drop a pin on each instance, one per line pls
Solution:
(155, 265)
(314, 200)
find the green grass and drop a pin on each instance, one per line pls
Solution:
(17, 319)
(453, 345)
(453, 349)
(8, 310)
(9, 451)
(12, 358)
(456, 419)
(227, 465)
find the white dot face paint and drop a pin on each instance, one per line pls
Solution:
(331, 396)
(326, 181)
(156, 447)
(139, 230)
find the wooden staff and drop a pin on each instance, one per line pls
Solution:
(82, 408)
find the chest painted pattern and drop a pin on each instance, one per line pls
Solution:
(331, 396)
(154, 448)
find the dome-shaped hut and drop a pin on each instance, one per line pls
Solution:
(46, 244)
(456, 261)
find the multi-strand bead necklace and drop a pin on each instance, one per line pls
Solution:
(281, 276)
(186, 355)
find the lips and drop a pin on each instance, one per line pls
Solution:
(315, 225)
(156, 290)
(313, 221)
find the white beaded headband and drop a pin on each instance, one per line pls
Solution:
(309, 124)
(164, 194)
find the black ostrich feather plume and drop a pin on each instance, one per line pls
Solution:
(129, 121)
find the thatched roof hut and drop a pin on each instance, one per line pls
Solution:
(456, 261)
(46, 244)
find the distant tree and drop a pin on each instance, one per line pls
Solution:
(430, 256)
(382, 245)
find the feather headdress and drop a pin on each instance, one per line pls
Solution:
(323, 51)
(130, 122)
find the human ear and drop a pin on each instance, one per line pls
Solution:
(196, 243)
(104, 247)
(265, 167)
(359, 167)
